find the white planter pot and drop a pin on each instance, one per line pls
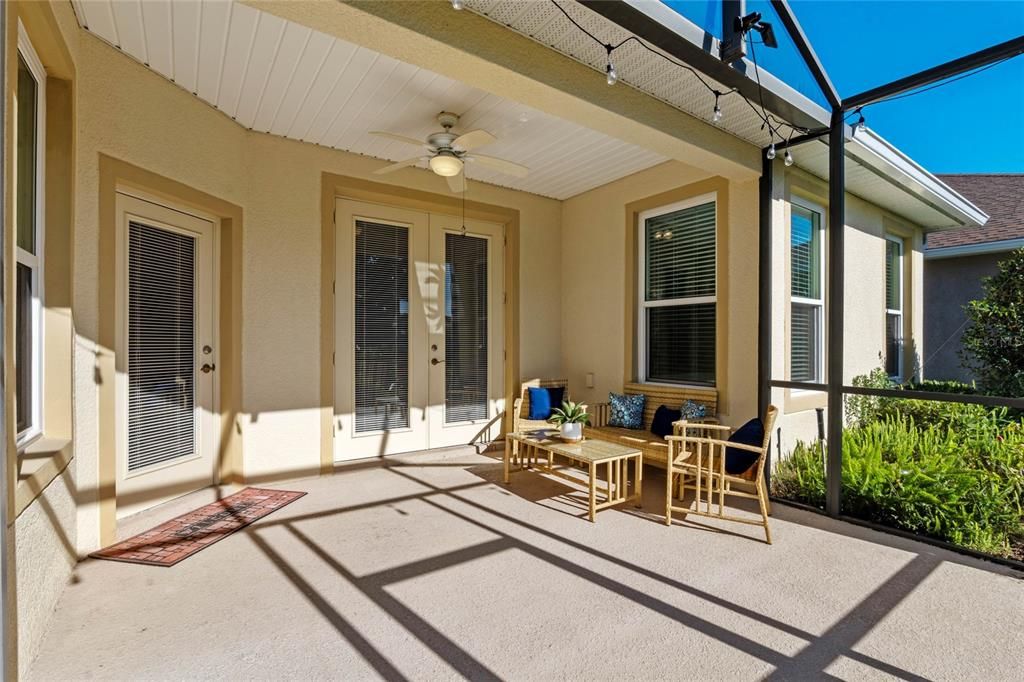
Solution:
(571, 432)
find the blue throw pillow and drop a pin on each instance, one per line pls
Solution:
(543, 400)
(661, 425)
(627, 411)
(737, 461)
(692, 410)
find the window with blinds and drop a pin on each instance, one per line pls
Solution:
(678, 302)
(465, 331)
(894, 306)
(29, 126)
(807, 302)
(161, 346)
(381, 327)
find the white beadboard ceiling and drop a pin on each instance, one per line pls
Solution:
(278, 77)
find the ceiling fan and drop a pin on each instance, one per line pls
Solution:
(449, 152)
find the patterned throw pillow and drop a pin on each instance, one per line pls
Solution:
(626, 410)
(692, 410)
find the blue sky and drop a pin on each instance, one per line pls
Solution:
(975, 125)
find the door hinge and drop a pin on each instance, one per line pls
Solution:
(504, 297)
(334, 284)
(332, 358)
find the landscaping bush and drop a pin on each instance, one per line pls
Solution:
(993, 344)
(945, 470)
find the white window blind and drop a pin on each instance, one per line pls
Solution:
(161, 345)
(381, 327)
(894, 306)
(678, 302)
(807, 303)
(465, 330)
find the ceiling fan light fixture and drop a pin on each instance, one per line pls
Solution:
(446, 165)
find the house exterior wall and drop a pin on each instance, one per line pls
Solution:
(949, 285)
(596, 291)
(125, 112)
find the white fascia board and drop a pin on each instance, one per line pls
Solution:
(974, 249)
(872, 149)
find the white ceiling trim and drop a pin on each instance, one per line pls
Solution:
(278, 77)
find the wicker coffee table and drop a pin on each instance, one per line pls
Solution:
(540, 448)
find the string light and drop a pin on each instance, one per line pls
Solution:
(716, 115)
(770, 154)
(860, 126)
(788, 158)
(612, 75)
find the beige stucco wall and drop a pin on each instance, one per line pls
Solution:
(594, 286)
(864, 297)
(45, 557)
(134, 115)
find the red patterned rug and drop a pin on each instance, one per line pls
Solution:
(179, 538)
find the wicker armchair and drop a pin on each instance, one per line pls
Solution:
(696, 462)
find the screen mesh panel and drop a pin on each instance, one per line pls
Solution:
(381, 327)
(161, 345)
(465, 308)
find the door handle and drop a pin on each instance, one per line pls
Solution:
(435, 361)
(207, 368)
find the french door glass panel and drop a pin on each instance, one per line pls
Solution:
(466, 319)
(381, 327)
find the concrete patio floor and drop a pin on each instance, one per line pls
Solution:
(429, 568)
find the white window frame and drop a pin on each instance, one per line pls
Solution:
(643, 305)
(819, 357)
(894, 311)
(35, 261)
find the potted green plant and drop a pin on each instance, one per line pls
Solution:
(570, 418)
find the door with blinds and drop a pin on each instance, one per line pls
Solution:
(166, 354)
(418, 314)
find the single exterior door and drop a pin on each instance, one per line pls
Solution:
(166, 390)
(466, 330)
(419, 346)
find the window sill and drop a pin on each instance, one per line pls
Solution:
(40, 462)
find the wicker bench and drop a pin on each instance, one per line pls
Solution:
(655, 449)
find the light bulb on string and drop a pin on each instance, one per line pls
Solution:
(788, 158)
(458, 4)
(770, 154)
(716, 115)
(611, 74)
(860, 126)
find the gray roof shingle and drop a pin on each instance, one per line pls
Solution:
(1000, 195)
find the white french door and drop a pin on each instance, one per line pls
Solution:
(167, 422)
(419, 356)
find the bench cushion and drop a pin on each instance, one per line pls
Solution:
(655, 449)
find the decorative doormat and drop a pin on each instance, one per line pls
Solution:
(179, 538)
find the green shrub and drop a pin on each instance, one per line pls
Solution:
(993, 344)
(864, 410)
(962, 484)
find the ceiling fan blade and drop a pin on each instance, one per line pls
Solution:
(457, 183)
(473, 139)
(396, 166)
(398, 138)
(501, 165)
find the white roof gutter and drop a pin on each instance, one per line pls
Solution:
(974, 249)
